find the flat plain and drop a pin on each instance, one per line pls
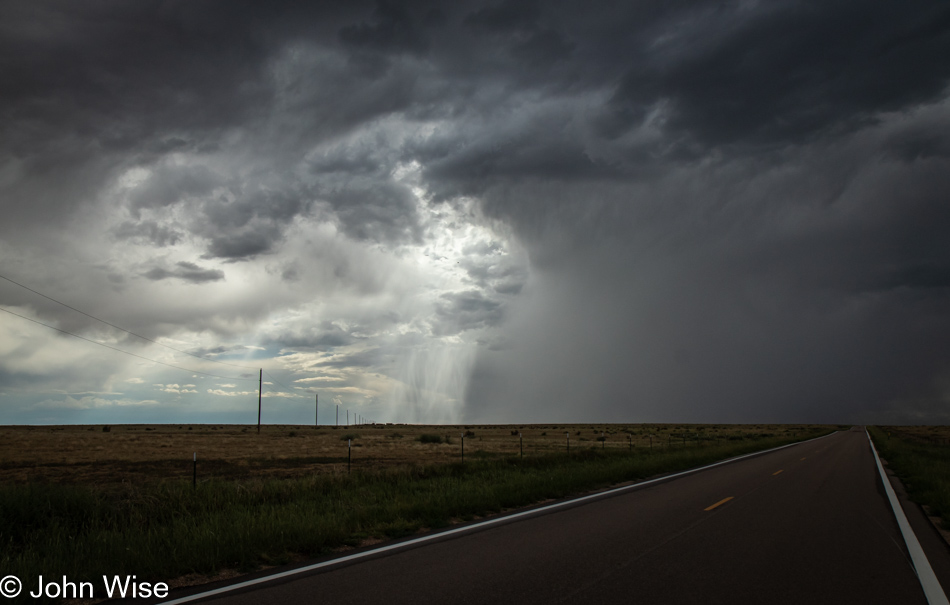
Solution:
(94, 500)
(101, 455)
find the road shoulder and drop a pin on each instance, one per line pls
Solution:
(931, 541)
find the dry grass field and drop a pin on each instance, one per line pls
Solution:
(937, 435)
(87, 502)
(140, 454)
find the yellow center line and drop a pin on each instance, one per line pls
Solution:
(723, 501)
(777, 472)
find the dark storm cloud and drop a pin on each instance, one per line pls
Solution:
(786, 71)
(325, 336)
(376, 211)
(167, 186)
(186, 271)
(91, 89)
(731, 210)
(460, 311)
(149, 231)
(393, 30)
(249, 225)
(219, 350)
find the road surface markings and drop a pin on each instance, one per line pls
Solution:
(928, 580)
(777, 472)
(468, 528)
(721, 502)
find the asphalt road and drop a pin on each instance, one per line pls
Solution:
(805, 524)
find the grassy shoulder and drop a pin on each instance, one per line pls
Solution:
(162, 531)
(922, 462)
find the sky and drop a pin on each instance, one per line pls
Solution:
(479, 212)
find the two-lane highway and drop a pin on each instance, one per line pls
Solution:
(804, 524)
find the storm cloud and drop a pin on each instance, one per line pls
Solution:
(489, 211)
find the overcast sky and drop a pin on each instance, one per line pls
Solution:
(476, 211)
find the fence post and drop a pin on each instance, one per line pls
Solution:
(194, 471)
(521, 443)
(463, 448)
(568, 433)
(349, 454)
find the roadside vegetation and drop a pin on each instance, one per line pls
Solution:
(920, 456)
(167, 529)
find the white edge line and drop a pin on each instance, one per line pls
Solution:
(925, 573)
(457, 530)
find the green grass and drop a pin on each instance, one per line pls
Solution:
(162, 531)
(923, 467)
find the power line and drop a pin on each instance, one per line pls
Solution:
(122, 329)
(121, 350)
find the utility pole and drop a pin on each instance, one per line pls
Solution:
(338, 415)
(316, 410)
(260, 391)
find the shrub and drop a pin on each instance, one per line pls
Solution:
(426, 438)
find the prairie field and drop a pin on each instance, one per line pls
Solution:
(146, 453)
(88, 502)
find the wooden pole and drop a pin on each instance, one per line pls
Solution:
(260, 391)
(316, 410)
